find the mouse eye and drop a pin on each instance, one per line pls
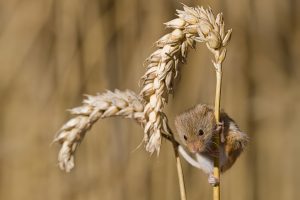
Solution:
(185, 138)
(200, 132)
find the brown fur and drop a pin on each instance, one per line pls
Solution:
(202, 117)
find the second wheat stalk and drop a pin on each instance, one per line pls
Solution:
(216, 188)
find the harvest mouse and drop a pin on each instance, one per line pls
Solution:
(197, 127)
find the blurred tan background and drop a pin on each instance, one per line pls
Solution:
(54, 51)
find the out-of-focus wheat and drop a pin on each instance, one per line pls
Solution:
(162, 67)
(109, 104)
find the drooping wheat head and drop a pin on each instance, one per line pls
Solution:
(162, 67)
(118, 103)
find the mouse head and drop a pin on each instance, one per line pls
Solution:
(196, 127)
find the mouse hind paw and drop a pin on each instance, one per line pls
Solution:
(212, 180)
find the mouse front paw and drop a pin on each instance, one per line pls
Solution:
(212, 180)
(220, 130)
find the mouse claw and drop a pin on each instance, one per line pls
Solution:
(212, 180)
(220, 130)
(220, 123)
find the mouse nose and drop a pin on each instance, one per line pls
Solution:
(194, 147)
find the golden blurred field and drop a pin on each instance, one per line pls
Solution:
(54, 51)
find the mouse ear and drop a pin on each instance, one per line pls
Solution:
(200, 107)
(204, 109)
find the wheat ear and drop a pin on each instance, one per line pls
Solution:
(162, 67)
(109, 104)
